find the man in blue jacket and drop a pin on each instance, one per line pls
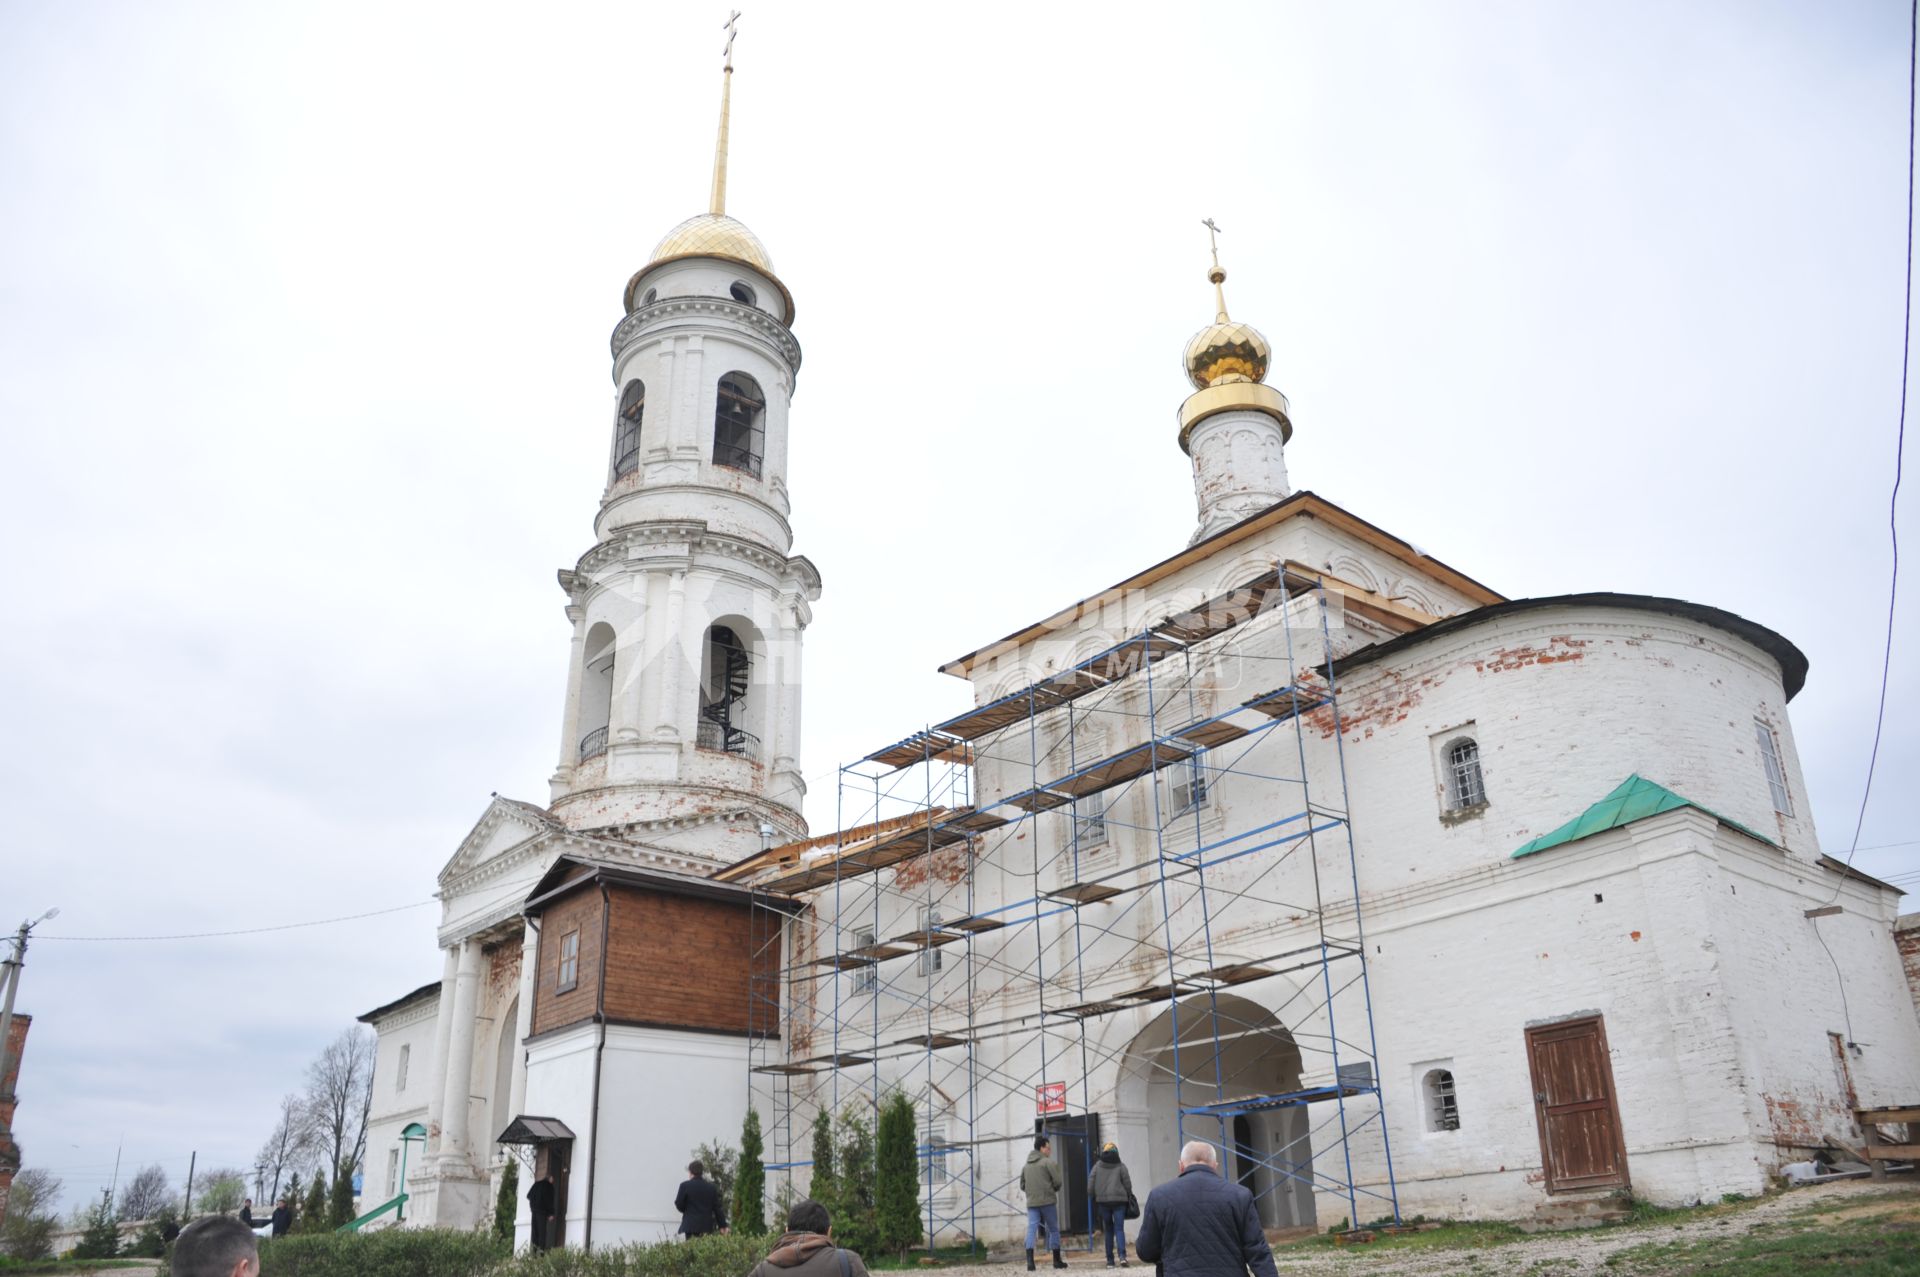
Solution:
(1200, 1225)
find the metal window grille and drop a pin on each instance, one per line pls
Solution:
(1465, 786)
(1090, 822)
(930, 957)
(865, 979)
(935, 1174)
(1776, 774)
(569, 961)
(739, 425)
(1443, 1110)
(1190, 784)
(626, 435)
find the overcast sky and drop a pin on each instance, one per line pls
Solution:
(305, 388)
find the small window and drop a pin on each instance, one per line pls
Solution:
(865, 979)
(1189, 783)
(935, 1174)
(741, 293)
(400, 1070)
(1465, 786)
(626, 429)
(569, 961)
(930, 957)
(1090, 823)
(1776, 774)
(1443, 1111)
(739, 424)
(648, 300)
(393, 1171)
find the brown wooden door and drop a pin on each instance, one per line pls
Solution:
(1581, 1144)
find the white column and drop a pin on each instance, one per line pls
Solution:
(443, 1021)
(523, 1022)
(455, 1106)
(672, 659)
(576, 667)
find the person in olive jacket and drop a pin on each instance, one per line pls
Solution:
(806, 1249)
(1201, 1225)
(1040, 1180)
(1110, 1188)
(699, 1204)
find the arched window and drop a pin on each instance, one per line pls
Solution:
(1465, 787)
(739, 424)
(741, 293)
(596, 691)
(1443, 1110)
(725, 678)
(626, 429)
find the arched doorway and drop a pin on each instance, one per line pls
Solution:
(1229, 1049)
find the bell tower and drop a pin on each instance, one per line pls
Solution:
(682, 720)
(1234, 426)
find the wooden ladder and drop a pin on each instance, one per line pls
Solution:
(1878, 1153)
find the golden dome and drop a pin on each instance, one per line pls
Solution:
(714, 235)
(1227, 352)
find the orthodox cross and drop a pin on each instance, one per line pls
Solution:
(1213, 241)
(731, 31)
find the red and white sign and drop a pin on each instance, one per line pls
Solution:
(1050, 1097)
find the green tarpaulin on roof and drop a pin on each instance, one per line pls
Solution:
(1635, 798)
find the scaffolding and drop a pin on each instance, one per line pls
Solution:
(1040, 903)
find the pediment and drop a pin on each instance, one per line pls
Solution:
(506, 827)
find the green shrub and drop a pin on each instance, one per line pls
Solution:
(507, 1204)
(715, 1255)
(391, 1252)
(749, 1214)
(897, 1176)
(313, 1212)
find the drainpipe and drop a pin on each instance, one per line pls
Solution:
(599, 1053)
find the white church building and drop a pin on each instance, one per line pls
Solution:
(1414, 897)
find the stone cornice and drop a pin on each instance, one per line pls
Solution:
(632, 542)
(408, 1016)
(774, 334)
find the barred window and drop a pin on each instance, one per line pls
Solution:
(1465, 785)
(739, 424)
(1443, 1110)
(1776, 774)
(867, 978)
(626, 429)
(1090, 822)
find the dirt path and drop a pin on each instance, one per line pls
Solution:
(1560, 1254)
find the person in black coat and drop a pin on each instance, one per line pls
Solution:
(1199, 1225)
(699, 1204)
(246, 1213)
(283, 1218)
(541, 1205)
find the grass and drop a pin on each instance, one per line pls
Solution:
(943, 1255)
(1878, 1245)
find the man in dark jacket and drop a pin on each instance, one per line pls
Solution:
(699, 1204)
(1110, 1188)
(806, 1249)
(1201, 1226)
(1040, 1180)
(541, 1204)
(283, 1217)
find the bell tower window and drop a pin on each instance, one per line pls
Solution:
(596, 692)
(626, 429)
(739, 424)
(725, 680)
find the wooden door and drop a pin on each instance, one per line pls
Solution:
(1581, 1144)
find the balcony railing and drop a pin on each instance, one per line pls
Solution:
(723, 739)
(593, 744)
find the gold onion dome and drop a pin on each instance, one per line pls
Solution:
(714, 235)
(1225, 352)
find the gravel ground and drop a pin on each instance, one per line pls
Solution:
(1557, 1254)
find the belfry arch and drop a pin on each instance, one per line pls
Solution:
(1228, 1048)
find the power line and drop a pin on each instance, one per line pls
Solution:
(247, 931)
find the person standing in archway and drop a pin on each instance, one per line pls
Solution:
(1110, 1188)
(1202, 1226)
(1040, 1179)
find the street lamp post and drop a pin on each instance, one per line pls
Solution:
(14, 962)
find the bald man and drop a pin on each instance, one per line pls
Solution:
(216, 1246)
(1199, 1225)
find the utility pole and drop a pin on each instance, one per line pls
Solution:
(186, 1207)
(9, 1064)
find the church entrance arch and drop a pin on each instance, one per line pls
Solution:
(1229, 1049)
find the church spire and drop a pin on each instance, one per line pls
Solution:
(1216, 275)
(718, 206)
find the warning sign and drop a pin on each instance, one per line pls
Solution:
(1050, 1097)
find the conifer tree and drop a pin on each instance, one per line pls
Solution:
(313, 1211)
(853, 1222)
(101, 1240)
(750, 1180)
(507, 1204)
(340, 1200)
(896, 1188)
(823, 1187)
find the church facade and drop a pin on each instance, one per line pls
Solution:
(1554, 855)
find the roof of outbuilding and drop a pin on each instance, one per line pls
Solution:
(421, 992)
(1634, 798)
